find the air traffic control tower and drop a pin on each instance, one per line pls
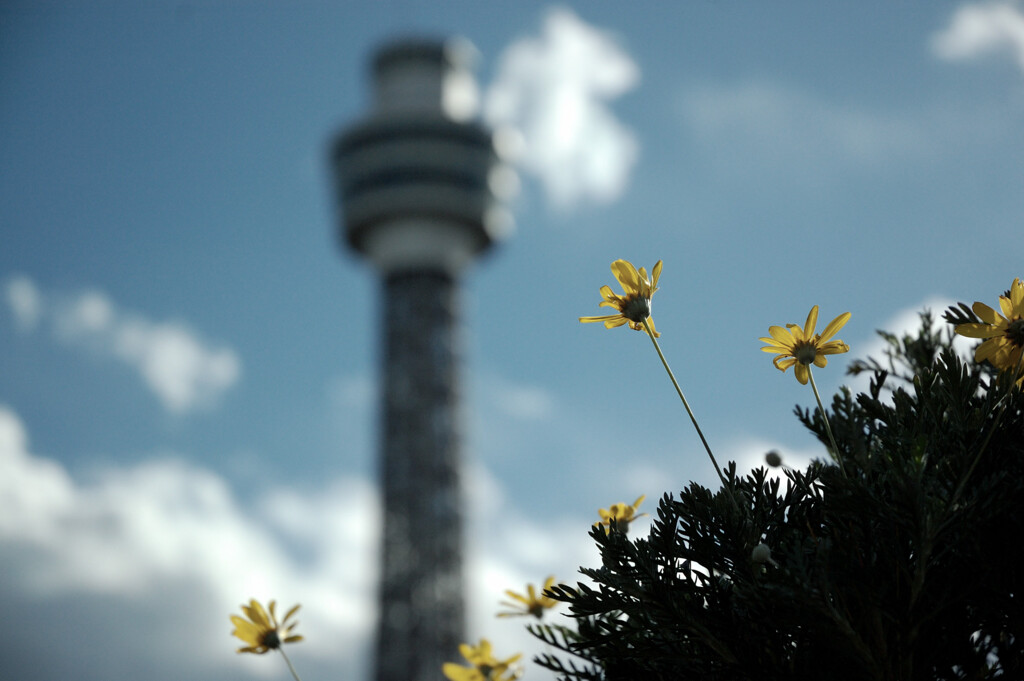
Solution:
(414, 182)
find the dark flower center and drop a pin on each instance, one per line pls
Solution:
(1015, 332)
(805, 352)
(637, 309)
(272, 640)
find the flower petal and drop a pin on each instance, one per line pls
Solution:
(782, 335)
(802, 373)
(989, 349)
(1006, 306)
(834, 326)
(987, 314)
(608, 294)
(291, 612)
(1017, 297)
(812, 321)
(519, 597)
(782, 363)
(975, 330)
(627, 276)
(833, 348)
(650, 323)
(601, 318)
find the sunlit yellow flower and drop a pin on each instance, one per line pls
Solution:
(633, 307)
(530, 603)
(619, 516)
(1004, 332)
(483, 666)
(803, 347)
(261, 632)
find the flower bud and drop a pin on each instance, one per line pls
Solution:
(773, 459)
(762, 554)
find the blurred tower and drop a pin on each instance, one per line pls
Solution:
(414, 180)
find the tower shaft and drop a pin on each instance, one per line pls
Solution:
(421, 592)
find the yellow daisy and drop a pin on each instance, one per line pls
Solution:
(635, 306)
(530, 603)
(803, 347)
(261, 632)
(483, 666)
(1004, 332)
(618, 516)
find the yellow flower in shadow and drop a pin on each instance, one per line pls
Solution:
(531, 603)
(635, 306)
(262, 632)
(617, 517)
(1004, 333)
(483, 666)
(800, 348)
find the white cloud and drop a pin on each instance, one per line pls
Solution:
(750, 125)
(516, 400)
(25, 301)
(508, 550)
(138, 543)
(175, 364)
(348, 392)
(554, 90)
(982, 28)
(139, 533)
(180, 368)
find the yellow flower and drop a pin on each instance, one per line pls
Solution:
(619, 516)
(635, 306)
(483, 666)
(803, 347)
(1004, 332)
(261, 632)
(531, 603)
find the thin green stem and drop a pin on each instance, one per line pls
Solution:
(289, 663)
(828, 426)
(689, 412)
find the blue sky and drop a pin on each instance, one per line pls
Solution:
(187, 358)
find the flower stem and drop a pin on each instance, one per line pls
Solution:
(289, 663)
(828, 427)
(689, 411)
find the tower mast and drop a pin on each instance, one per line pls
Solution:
(413, 181)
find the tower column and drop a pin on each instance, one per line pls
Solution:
(421, 591)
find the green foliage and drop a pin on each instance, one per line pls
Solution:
(906, 568)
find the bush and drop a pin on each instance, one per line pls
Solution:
(905, 567)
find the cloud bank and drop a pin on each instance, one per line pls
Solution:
(982, 28)
(148, 560)
(142, 538)
(182, 370)
(554, 90)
